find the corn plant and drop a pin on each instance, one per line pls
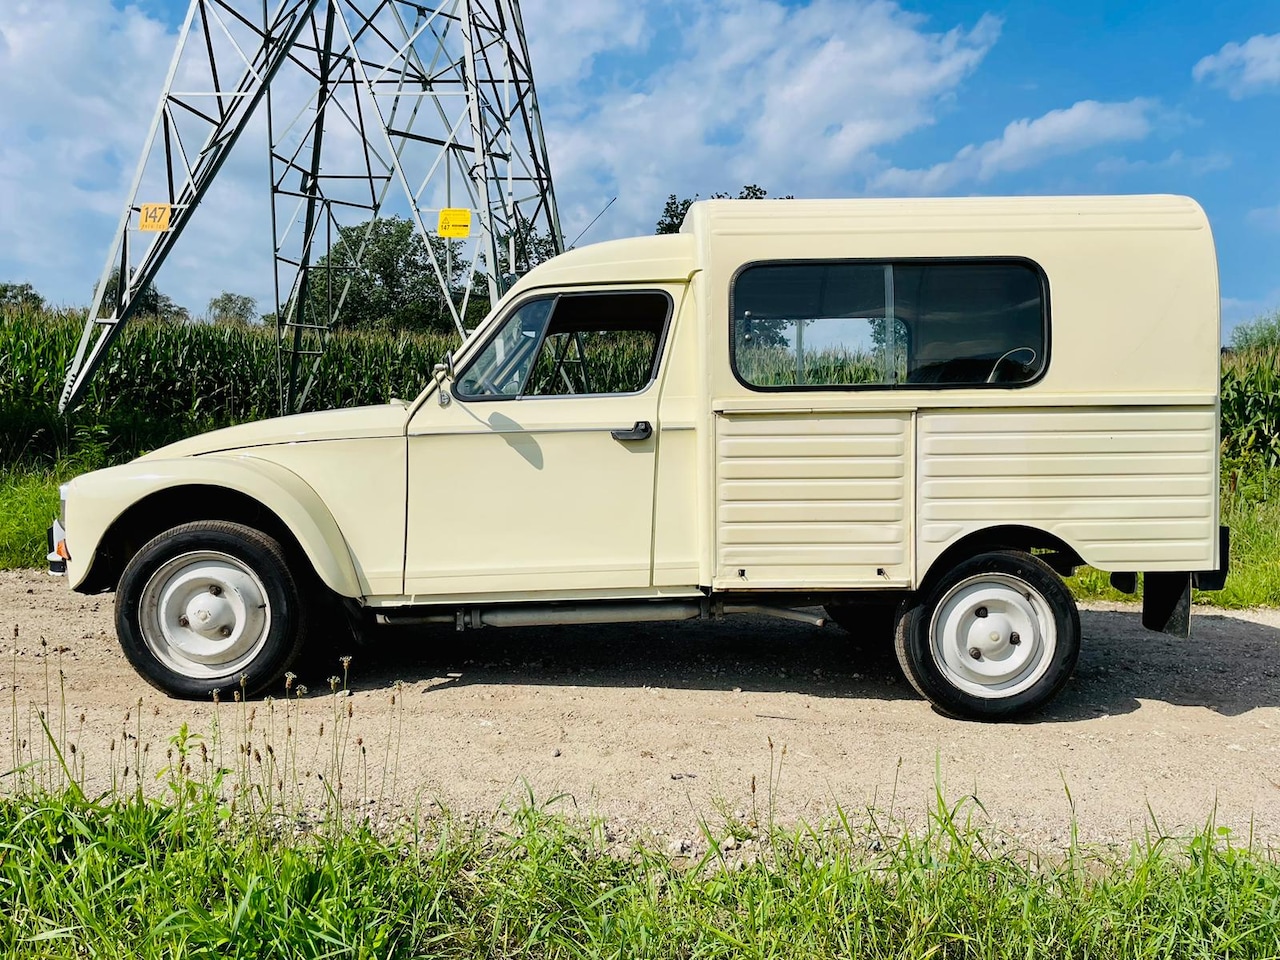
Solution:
(1251, 406)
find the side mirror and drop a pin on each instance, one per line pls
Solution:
(441, 372)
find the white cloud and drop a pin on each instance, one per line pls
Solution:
(566, 38)
(1026, 143)
(1266, 217)
(1177, 160)
(795, 98)
(1243, 68)
(78, 80)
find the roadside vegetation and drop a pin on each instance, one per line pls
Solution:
(237, 843)
(138, 879)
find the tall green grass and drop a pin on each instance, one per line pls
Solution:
(139, 880)
(234, 844)
(28, 503)
(775, 366)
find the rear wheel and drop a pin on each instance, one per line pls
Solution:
(206, 605)
(995, 638)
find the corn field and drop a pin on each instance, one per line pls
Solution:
(161, 382)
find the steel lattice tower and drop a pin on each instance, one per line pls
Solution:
(371, 108)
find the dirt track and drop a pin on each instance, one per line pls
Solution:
(657, 726)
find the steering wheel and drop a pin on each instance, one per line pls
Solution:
(995, 367)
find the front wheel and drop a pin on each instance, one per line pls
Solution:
(210, 605)
(995, 638)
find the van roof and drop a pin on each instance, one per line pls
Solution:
(867, 215)
(674, 257)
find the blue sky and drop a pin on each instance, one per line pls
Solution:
(648, 97)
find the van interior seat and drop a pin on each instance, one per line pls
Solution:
(956, 370)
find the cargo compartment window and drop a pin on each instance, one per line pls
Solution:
(849, 324)
(572, 345)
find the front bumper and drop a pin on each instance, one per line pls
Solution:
(58, 555)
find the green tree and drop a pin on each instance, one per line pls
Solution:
(20, 296)
(232, 309)
(1259, 333)
(151, 302)
(392, 283)
(673, 212)
(531, 249)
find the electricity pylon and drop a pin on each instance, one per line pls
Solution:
(371, 108)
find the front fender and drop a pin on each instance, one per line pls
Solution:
(96, 501)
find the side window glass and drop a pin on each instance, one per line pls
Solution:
(973, 324)
(585, 344)
(888, 324)
(818, 324)
(503, 365)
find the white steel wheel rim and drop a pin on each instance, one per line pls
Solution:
(993, 636)
(205, 614)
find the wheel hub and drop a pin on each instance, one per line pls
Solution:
(205, 614)
(211, 616)
(992, 636)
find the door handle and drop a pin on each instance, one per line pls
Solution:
(643, 430)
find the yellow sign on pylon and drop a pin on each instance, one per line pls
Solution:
(455, 223)
(155, 217)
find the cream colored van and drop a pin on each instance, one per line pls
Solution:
(918, 413)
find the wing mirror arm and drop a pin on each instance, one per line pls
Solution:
(444, 372)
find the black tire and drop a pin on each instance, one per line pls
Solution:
(973, 671)
(233, 579)
(871, 623)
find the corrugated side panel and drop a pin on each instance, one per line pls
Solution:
(812, 500)
(1130, 488)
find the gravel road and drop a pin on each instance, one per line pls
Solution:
(657, 727)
